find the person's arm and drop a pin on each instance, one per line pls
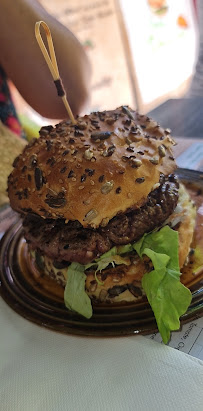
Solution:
(24, 63)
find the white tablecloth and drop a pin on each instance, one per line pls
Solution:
(41, 370)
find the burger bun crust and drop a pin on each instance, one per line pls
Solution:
(105, 164)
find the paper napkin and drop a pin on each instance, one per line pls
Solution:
(41, 370)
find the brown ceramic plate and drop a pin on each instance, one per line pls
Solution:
(25, 296)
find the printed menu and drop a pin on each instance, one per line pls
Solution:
(189, 340)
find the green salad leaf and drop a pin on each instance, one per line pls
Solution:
(168, 297)
(75, 297)
(114, 260)
(198, 260)
(110, 257)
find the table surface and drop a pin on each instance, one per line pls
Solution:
(184, 143)
(183, 116)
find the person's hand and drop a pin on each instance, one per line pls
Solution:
(24, 63)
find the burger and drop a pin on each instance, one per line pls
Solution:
(104, 215)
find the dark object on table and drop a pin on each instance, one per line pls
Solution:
(183, 116)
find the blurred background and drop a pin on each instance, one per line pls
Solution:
(142, 52)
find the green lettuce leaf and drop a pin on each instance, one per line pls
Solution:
(114, 260)
(168, 297)
(110, 257)
(123, 249)
(198, 260)
(75, 297)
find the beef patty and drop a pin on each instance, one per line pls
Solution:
(71, 242)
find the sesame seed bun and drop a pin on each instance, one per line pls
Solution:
(105, 164)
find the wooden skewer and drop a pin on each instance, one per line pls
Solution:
(52, 63)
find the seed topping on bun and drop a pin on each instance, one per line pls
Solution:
(92, 170)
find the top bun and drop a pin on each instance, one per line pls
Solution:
(90, 171)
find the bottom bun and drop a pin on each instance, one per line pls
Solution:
(121, 283)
